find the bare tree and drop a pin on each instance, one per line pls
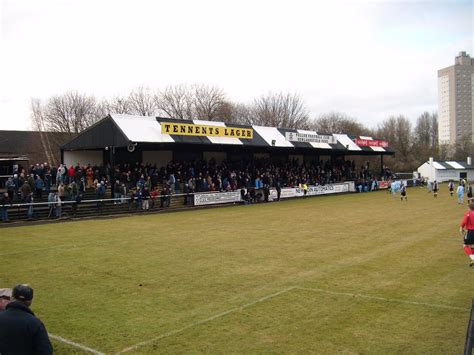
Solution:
(398, 132)
(208, 101)
(443, 151)
(69, 113)
(464, 147)
(279, 110)
(37, 115)
(193, 102)
(434, 129)
(425, 142)
(426, 130)
(119, 104)
(141, 102)
(175, 102)
(240, 114)
(337, 122)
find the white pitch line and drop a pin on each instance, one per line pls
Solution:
(383, 298)
(79, 346)
(219, 315)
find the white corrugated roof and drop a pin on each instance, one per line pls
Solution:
(141, 128)
(271, 133)
(347, 142)
(438, 166)
(454, 164)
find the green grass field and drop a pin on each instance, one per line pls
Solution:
(355, 273)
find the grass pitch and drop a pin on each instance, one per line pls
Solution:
(355, 273)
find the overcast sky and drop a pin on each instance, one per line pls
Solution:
(368, 59)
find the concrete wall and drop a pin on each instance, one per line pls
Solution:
(218, 156)
(261, 155)
(83, 157)
(160, 157)
(300, 158)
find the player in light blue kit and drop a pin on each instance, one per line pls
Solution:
(460, 192)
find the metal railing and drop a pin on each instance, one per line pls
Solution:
(73, 208)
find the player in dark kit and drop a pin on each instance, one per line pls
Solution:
(403, 193)
(467, 231)
(451, 188)
(435, 189)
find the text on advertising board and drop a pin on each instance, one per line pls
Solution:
(371, 143)
(187, 129)
(309, 138)
(216, 197)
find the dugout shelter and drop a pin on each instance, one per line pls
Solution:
(126, 138)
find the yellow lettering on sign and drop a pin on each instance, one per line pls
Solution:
(187, 129)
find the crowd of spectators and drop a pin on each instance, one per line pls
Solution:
(143, 185)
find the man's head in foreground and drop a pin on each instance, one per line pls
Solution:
(23, 293)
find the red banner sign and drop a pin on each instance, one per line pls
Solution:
(371, 143)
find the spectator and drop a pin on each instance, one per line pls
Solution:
(75, 204)
(47, 182)
(81, 186)
(10, 187)
(266, 192)
(21, 332)
(52, 202)
(131, 198)
(117, 194)
(31, 182)
(39, 186)
(145, 196)
(4, 202)
(165, 197)
(100, 194)
(25, 191)
(153, 197)
(5, 296)
(278, 189)
(123, 193)
(61, 173)
(90, 177)
(71, 174)
(30, 211)
(73, 191)
(61, 192)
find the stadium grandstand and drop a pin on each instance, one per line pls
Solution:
(127, 163)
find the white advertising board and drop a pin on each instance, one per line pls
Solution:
(216, 197)
(312, 190)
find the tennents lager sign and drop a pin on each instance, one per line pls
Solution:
(187, 129)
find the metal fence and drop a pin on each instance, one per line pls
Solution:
(92, 207)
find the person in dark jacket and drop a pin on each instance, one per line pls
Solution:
(4, 202)
(20, 331)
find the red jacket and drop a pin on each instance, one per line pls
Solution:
(468, 221)
(71, 172)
